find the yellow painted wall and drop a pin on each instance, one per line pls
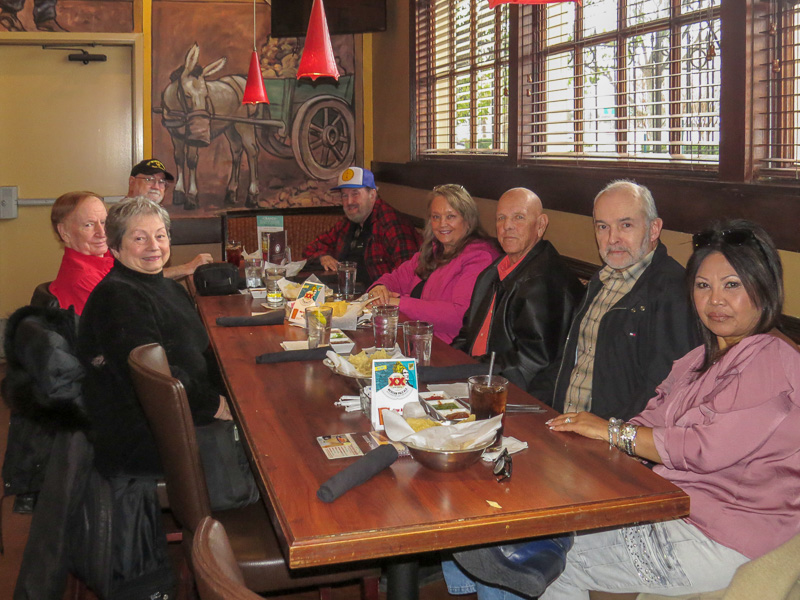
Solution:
(29, 251)
(391, 84)
(29, 255)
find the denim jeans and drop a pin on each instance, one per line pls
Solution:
(460, 583)
(670, 558)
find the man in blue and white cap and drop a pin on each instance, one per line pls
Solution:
(372, 234)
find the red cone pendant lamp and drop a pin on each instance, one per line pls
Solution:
(317, 59)
(254, 90)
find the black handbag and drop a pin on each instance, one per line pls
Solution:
(217, 279)
(228, 477)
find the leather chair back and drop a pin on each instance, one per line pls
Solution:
(258, 551)
(166, 407)
(215, 568)
(42, 297)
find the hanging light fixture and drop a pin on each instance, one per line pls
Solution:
(317, 59)
(254, 90)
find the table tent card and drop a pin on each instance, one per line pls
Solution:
(311, 294)
(394, 383)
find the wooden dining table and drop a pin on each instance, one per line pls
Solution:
(562, 482)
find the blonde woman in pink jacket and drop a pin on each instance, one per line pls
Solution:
(435, 285)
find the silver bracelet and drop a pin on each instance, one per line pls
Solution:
(627, 438)
(613, 431)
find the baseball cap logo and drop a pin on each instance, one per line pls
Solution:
(156, 164)
(348, 175)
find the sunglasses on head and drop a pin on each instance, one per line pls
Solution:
(732, 237)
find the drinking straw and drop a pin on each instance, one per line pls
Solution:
(491, 368)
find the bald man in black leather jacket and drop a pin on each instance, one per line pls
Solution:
(532, 296)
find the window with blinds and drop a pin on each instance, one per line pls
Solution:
(621, 80)
(777, 87)
(462, 70)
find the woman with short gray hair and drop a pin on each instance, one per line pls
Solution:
(121, 214)
(135, 305)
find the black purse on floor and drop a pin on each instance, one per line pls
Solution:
(228, 476)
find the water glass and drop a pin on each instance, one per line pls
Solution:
(487, 397)
(253, 270)
(347, 279)
(274, 294)
(384, 325)
(318, 323)
(417, 341)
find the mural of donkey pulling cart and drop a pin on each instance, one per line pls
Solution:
(313, 123)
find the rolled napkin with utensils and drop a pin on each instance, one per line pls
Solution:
(292, 355)
(272, 318)
(451, 373)
(369, 465)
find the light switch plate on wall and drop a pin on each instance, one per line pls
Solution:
(8, 202)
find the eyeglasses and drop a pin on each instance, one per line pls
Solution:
(154, 181)
(502, 466)
(733, 237)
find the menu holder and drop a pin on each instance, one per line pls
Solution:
(394, 383)
(311, 294)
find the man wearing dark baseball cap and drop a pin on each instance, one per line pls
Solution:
(373, 234)
(149, 178)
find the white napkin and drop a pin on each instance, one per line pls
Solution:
(460, 436)
(454, 390)
(511, 444)
(342, 365)
(345, 367)
(283, 283)
(349, 320)
(292, 268)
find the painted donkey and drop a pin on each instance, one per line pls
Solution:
(189, 104)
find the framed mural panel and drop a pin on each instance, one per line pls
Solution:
(226, 155)
(58, 16)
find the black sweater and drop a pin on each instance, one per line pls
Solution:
(125, 310)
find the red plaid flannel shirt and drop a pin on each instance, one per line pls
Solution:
(393, 241)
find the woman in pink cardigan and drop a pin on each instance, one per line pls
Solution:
(435, 285)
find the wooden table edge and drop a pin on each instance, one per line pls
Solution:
(461, 533)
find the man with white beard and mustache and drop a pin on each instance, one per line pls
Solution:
(635, 319)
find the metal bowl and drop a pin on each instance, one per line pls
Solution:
(447, 460)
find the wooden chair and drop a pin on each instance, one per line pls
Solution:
(251, 535)
(214, 565)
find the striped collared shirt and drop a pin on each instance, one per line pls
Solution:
(616, 283)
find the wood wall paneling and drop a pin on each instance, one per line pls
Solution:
(685, 202)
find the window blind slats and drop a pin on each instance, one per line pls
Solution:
(641, 84)
(462, 69)
(777, 86)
